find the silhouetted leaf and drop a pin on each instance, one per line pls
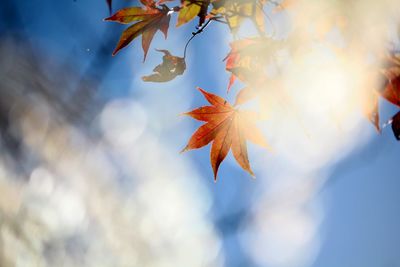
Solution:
(171, 67)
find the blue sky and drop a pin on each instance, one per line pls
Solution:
(358, 202)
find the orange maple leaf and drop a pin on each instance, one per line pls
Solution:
(150, 19)
(228, 129)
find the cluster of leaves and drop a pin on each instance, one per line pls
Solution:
(227, 126)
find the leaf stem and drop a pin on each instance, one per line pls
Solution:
(200, 30)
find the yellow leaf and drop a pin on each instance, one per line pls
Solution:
(188, 12)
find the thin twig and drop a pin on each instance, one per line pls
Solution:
(200, 30)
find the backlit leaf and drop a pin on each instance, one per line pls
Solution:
(227, 128)
(188, 11)
(149, 19)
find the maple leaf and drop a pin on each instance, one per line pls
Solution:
(171, 67)
(149, 19)
(227, 128)
(190, 9)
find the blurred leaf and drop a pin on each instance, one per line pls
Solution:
(235, 12)
(391, 71)
(245, 95)
(248, 58)
(284, 5)
(390, 90)
(371, 109)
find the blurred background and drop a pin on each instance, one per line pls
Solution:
(90, 169)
